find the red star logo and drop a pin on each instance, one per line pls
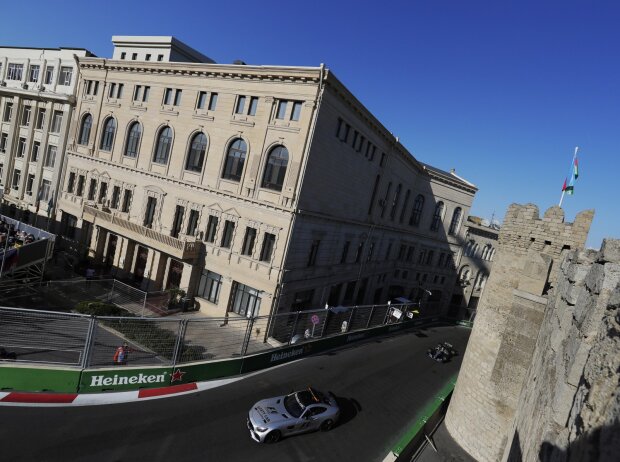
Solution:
(177, 376)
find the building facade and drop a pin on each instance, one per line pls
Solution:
(475, 266)
(255, 188)
(37, 96)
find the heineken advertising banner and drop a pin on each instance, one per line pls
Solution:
(123, 379)
(199, 372)
(20, 378)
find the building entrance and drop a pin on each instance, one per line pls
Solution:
(141, 258)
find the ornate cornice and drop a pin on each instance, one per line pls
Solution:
(309, 75)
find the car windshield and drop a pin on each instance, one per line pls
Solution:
(292, 405)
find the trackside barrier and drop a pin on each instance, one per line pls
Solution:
(425, 422)
(39, 379)
(123, 378)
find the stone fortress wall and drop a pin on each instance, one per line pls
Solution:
(569, 407)
(509, 317)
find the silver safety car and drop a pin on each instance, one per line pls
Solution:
(299, 412)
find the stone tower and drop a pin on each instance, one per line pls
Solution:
(507, 324)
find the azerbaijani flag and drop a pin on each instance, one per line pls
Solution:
(576, 169)
(574, 174)
(568, 189)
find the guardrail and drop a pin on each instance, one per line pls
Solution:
(172, 351)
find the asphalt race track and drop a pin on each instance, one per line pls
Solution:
(380, 384)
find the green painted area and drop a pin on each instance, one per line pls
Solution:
(124, 379)
(424, 415)
(38, 379)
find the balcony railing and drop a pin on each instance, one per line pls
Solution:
(181, 249)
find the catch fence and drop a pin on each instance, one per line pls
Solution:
(33, 336)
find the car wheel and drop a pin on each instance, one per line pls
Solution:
(273, 437)
(327, 425)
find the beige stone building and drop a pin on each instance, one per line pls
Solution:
(475, 266)
(37, 87)
(255, 188)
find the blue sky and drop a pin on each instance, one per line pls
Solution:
(500, 91)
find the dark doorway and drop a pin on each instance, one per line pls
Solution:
(109, 256)
(174, 274)
(138, 272)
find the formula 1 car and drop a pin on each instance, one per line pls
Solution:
(442, 353)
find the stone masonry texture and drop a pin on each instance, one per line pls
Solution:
(506, 328)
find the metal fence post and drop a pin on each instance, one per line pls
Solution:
(387, 314)
(88, 344)
(290, 337)
(178, 347)
(144, 303)
(372, 310)
(325, 322)
(248, 335)
(351, 318)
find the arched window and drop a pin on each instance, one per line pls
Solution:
(235, 158)
(196, 155)
(437, 216)
(456, 221)
(474, 250)
(464, 274)
(163, 146)
(481, 280)
(107, 136)
(133, 139)
(416, 213)
(492, 254)
(87, 123)
(275, 169)
(468, 248)
(486, 252)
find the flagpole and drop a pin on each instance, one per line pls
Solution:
(571, 166)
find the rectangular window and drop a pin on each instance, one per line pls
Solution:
(3, 139)
(314, 250)
(149, 214)
(112, 90)
(354, 140)
(160, 57)
(49, 75)
(119, 90)
(17, 176)
(14, 71)
(192, 223)
(253, 105)
(177, 222)
(79, 190)
(281, 109)
(371, 250)
(134, 56)
(50, 157)
(36, 146)
(123, 55)
(126, 200)
(44, 193)
(177, 97)
(33, 73)
(147, 57)
(26, 116)
(211, 229)
(227, 236)
(29, 183)
(248, 241)
(71, 182)
(141, 93)
(21, 147)
(116, 197)
(202, 100)
(103, 192)
(40, 119)
(345, 252)
(137, 91)
(240, 105)
(213, 102)
(269, 241)
(296, 110)
(145, 94)
(168, 96)
(56, 122)
(358, 252)
(8, 112)
(244, 300)
(66, 73)
(92, 189)
(209, 286)
(69, 223)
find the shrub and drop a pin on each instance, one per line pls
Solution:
(100, 309)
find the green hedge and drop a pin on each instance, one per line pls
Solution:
(100, 309)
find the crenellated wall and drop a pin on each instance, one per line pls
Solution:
(506, 328)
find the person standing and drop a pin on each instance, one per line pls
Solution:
(121, 355)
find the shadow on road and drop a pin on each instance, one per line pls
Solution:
(349, 408)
